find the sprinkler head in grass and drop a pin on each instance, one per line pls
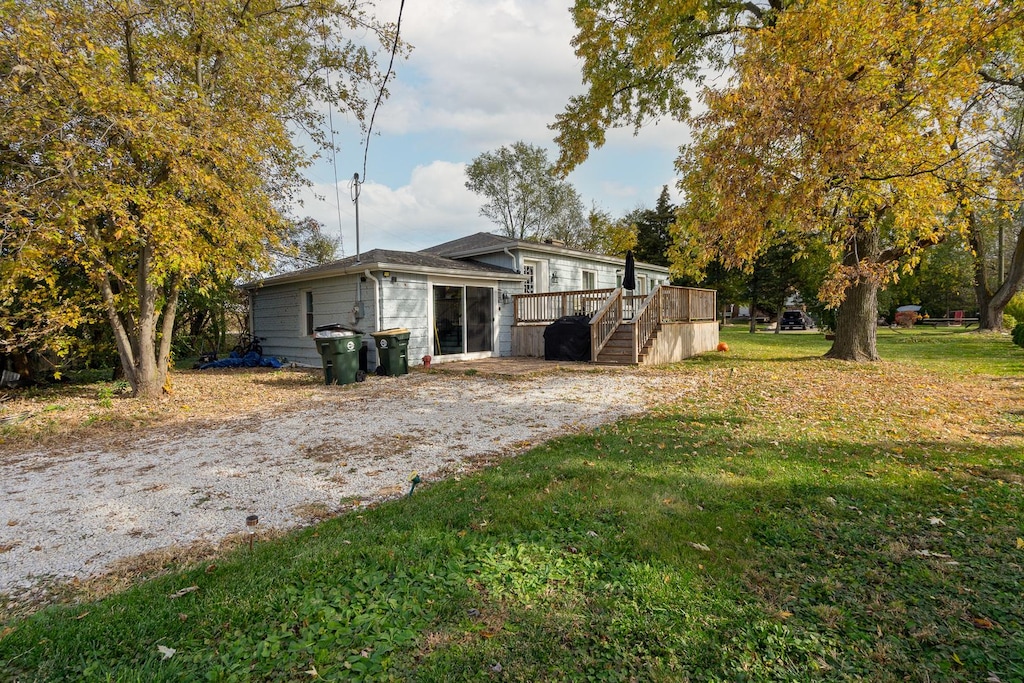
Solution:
(415, 479)
(250, 522)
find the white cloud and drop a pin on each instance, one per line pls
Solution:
(481, 67)
(432, 208)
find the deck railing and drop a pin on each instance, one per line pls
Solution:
(604, 323)
(687, 304)
(678, 304)
(550, 306)
(646, 321)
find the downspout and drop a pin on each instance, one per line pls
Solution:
(515, 261)
(252, 311)
(376, 299)
(376, 309)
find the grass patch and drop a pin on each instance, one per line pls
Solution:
(946, 350)
(795, 519)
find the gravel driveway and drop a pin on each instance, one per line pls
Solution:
(73, 511)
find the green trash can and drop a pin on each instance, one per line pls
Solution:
(339, 352)
(392, 351)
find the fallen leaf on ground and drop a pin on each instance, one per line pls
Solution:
(183, 591)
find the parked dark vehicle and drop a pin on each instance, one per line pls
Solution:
(796, 320)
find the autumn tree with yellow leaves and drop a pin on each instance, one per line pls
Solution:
(840, 123)
(147, 144)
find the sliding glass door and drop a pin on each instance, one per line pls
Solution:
(463, 319)
(479, 319)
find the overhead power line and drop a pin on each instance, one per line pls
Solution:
(380, 94)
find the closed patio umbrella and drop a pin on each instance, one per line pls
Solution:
(629, 278)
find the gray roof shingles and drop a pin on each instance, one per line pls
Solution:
(481, 240)
(417, 259)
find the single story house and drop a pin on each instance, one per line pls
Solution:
(458, 299)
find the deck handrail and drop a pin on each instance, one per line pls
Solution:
(646, 320)
(604, 323)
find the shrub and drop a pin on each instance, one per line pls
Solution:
(1018, 334)
(1009, 321)
(1016, 306)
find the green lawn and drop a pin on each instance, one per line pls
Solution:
(791, 519)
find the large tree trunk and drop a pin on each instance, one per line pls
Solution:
(857, 316)
(992, 303)
(144, 344)
(856, 324)
(990, 316)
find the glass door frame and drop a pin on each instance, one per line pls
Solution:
(432, 322)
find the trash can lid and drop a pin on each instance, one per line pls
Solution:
(337, 326)
(333, 334)
(390, 333)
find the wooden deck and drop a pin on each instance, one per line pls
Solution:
(667, 325)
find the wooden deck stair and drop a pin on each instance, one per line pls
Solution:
(619, 349)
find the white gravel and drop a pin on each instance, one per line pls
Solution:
(73, 513)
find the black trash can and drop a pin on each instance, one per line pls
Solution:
(339, 351)
(568, 338)
(392, 351)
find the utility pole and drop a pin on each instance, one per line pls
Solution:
(355, 200)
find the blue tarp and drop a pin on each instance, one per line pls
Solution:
(249, 360)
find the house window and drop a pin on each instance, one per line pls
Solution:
(529, 287)
(641, 284)
(589, 279)
(307, 310)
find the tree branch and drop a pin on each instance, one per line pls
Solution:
(992, 78)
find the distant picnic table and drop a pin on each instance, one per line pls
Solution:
(948, 322)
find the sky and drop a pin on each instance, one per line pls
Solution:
(481, 74)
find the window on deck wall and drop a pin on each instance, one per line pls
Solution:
(307, 310)
(589, 279)
(529, 287)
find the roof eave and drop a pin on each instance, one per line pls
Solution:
(551, 249)
(360, 268)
